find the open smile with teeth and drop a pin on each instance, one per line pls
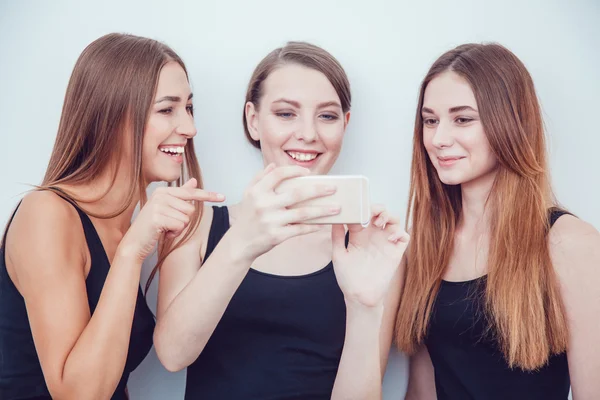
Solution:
(172, 151)
(302, 156)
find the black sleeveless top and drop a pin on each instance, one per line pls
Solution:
(467, 361)
(281, 337)
(21, 375)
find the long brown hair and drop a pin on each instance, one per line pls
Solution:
(306, 55)
(522, 298)
(109, 95)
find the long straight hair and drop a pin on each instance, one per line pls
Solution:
(522, 298)
(109, 95)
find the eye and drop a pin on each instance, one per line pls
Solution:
(462, 120)
(284, 115)
(166, 111)
(430, 121)
(329, 117)
(190, 109)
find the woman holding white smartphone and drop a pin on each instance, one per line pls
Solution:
(258, 304)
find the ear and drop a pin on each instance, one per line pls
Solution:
(252, 120)
(346, 119)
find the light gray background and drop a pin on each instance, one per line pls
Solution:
(386, 48)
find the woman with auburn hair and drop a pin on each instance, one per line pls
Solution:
(500, 298)
(73, 321)
(259, 304)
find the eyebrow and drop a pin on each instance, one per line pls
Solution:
(290, 102)
(174, 99)
(320, 105)
(461, 108)
(451, 110)
(329, 104)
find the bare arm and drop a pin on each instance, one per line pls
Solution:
(370, 273)
(575, 251)
(367, 345)
(192, 300)
(82, 356)
(421, 379)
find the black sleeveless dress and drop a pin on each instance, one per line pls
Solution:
(21, 375)
(468, 363)
(281, 337)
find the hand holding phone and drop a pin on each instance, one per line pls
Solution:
(352, 195)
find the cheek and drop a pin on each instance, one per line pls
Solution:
(428, 138)
(480, 151)
(273, 131)
(154, 135)
(332, 136)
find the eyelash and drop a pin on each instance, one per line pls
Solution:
(189, 108)
(284, 115)
(330, 117)
(427, 121)
(288, 115)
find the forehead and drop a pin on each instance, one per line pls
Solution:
(448, 90)
(172, 78)
(299, 83)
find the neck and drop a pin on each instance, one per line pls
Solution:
(475, 194)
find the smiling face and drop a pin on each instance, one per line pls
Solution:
(299, 119)
(453, 134)
(170, 125)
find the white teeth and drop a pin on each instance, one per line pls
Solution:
(302, 156)
(172, 150)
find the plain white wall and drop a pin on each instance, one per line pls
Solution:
(386, 48)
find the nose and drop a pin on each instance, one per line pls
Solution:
(307, 132)
(186, 126)
(442, 136)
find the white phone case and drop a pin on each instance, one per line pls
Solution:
(352, 196)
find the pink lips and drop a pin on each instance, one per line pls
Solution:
(448, 161)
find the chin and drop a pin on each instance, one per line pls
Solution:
(171, 178)
(450, 180)
(163, 177)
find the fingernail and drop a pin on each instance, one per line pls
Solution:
(330, 189)
(335, 210)
(220, 196)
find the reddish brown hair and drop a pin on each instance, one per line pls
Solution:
(523, 302)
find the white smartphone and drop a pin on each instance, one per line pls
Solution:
(352, 195)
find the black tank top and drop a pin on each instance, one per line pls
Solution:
(469, 364)
(21, 375)
(281, 337)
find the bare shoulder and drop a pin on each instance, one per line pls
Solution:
(43, 212)
(50, 225)
(575, 246)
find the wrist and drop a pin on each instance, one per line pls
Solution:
(238, 248)
(127, 253)
(355, 309)
(238, 251)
